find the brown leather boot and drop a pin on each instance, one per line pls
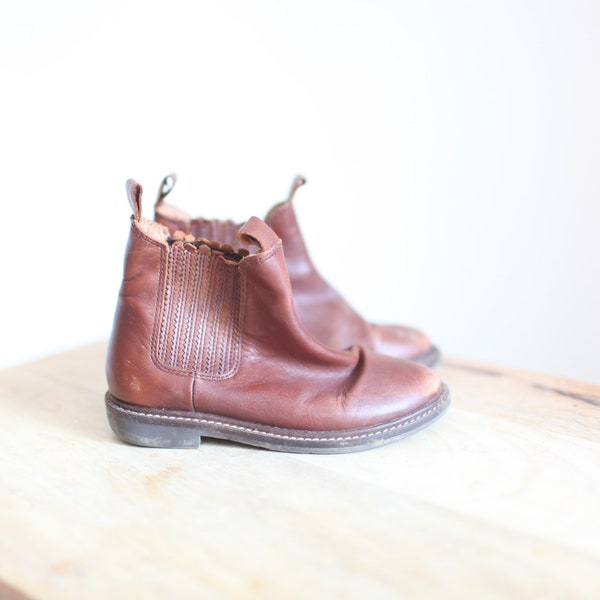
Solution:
(320, 308)
(206, 342)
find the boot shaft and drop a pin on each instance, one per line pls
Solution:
(193, 313)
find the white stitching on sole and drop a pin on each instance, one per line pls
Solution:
(278, 435)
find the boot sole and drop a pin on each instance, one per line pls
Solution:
(160, 428)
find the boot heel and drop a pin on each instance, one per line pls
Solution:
(140, 431)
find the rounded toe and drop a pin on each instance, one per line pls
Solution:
(390, 389)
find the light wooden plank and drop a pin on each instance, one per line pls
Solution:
(490, 502)
(552, 404)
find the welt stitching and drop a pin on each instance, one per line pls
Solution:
(202, 421)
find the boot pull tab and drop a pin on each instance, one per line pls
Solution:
(134, 195)
(298, 182)
(257, 233)
(166, 187)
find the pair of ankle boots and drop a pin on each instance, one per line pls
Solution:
(228, 331)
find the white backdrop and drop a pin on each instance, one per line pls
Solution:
(451, 151)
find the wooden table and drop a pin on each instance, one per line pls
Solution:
(498, 499)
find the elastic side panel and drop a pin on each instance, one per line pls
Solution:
(200, 318)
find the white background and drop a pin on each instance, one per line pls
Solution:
(452, 152)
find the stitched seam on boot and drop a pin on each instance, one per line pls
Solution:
(202, 421)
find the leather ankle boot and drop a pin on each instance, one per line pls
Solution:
(319, 306)
(206, 342)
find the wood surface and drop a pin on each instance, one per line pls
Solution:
(498, 499)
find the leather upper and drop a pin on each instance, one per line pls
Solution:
(204, 326)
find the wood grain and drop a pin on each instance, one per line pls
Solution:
(499, 499)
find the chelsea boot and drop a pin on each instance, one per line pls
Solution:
(206, 342)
